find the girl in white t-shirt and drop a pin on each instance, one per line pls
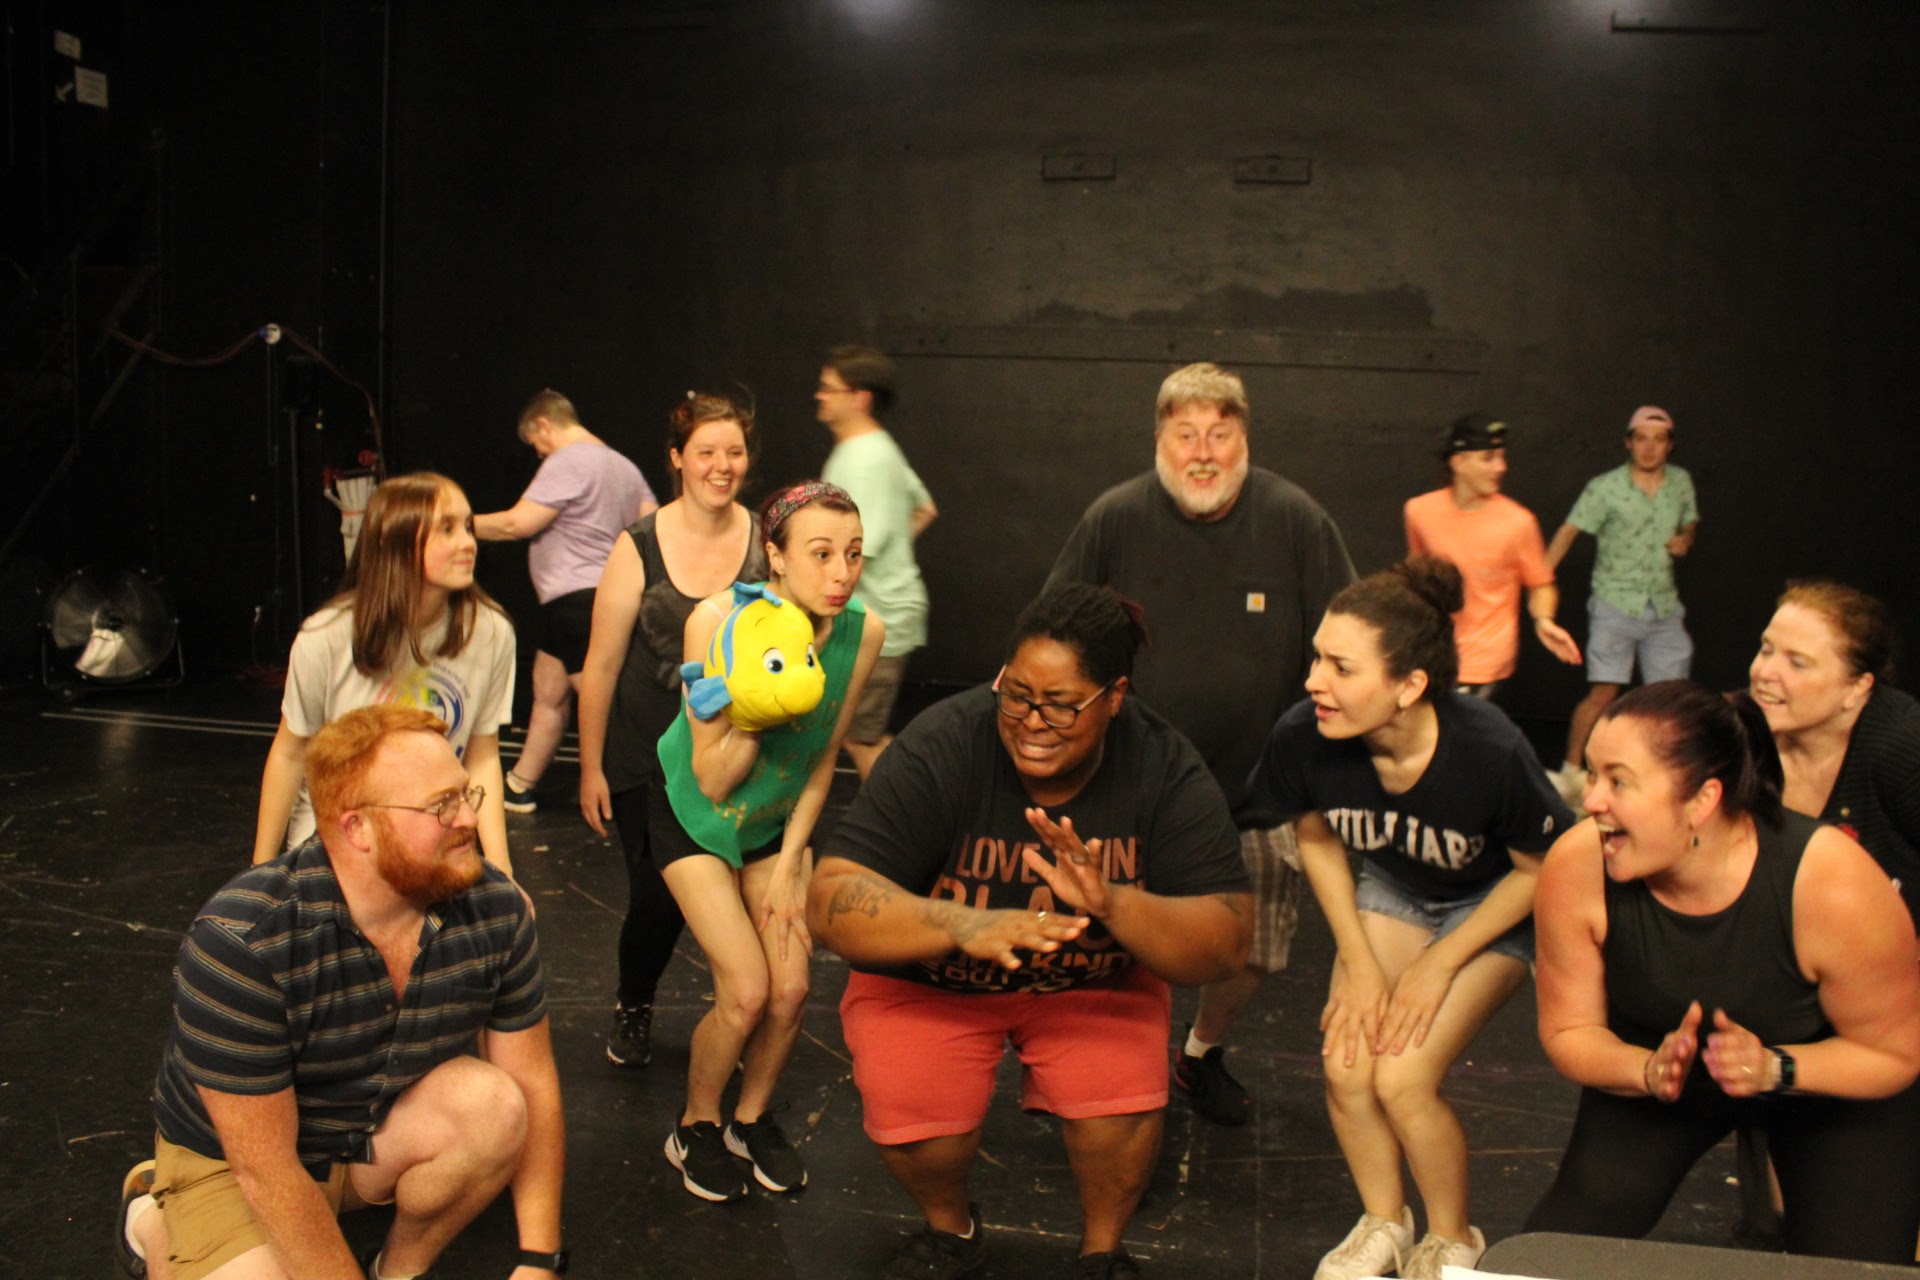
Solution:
(410, 625)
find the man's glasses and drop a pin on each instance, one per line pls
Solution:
(445, 809)
(1055, 715)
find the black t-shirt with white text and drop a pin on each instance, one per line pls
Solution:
(943, 815)
(1445, 837)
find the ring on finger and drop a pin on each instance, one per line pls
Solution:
(1041, 918)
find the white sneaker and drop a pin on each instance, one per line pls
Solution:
(1373, 1248)
(1435, 1252)
(1571, 782)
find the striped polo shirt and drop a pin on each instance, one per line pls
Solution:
(276, 988)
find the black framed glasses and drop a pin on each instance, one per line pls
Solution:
(1055, 715)
(445, 809)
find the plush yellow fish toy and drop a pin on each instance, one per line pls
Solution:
(760, 667)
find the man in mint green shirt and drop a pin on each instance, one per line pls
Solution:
(1642, 515)
(855, 389)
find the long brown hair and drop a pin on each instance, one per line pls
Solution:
(384, 580)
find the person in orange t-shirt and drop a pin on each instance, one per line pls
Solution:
(1496, 544)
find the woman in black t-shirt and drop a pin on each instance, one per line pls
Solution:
(1447, 809)
(1694, 923)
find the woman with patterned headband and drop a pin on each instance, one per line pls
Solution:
(732, 845)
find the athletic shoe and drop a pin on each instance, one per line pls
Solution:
(1435, 1252)
(630, 1043)
(1118, 1265)
(137, 1183)
(519, 799)
(700, 1154)
(1217, 1096)
(1373, 1248)
(939, 1255)
(371, 1256)
(1571, 782)
(776, 1165)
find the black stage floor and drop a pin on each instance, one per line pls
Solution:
(118, 817)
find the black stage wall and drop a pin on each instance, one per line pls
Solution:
(1042, 207)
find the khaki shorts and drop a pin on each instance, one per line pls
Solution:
(208, 1221)
(1273, 864)
(875, 712)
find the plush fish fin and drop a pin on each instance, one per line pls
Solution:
(706, 695)
(748, 592)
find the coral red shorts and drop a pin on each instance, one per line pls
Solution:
(924, 1059)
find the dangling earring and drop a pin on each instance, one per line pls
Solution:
(1696, 839)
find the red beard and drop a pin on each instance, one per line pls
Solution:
(456, 864)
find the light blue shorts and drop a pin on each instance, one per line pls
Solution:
(1374, 892)
(1616, 641)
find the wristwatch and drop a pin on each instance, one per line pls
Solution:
(554, 1262)
(1787, 1070)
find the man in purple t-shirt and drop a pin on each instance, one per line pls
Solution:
(584, 494)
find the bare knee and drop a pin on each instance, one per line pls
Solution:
(1406, 1089)
(1349, 1086)
(740, 1004)
(788, 999)
(485, 1109)
(551, 687)
(1601, 696)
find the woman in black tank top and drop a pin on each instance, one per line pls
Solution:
(630, 685)
(1707, 960)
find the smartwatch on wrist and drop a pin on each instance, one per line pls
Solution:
(1786, 1069)
(554, 1262)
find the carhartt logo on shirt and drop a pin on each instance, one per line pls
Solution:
(1256, 602)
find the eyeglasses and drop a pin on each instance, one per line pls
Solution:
(445, 809)
(1055, 715)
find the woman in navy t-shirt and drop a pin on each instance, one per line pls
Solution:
(1448, 812)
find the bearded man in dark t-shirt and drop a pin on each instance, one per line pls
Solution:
(1031, 862)
(1234, 566)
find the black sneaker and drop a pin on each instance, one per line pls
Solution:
(776, 1165)
(519, 799)
(137, 1183)
(1217, 1096)
(700, 1154)
(630, 1043)
(1118, 1265)
(939, 1255)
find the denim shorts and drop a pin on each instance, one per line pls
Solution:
(1373, 891)
(1617, 641)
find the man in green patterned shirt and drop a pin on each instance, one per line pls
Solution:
(1642, 515)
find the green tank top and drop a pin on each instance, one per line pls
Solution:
(756, 810)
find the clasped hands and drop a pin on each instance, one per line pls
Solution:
(1736, 1058)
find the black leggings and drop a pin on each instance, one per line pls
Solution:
(1849, 1171)
(653, 922)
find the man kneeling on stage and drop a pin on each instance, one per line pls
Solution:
(326, 1004)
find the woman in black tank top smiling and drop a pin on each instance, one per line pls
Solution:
(659, 569)
(1708, 960)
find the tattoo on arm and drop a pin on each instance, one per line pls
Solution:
(864, 895)
(959, 923)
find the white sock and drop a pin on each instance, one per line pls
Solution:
(137, 1207)
(517, 782)
(1198, 1048)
